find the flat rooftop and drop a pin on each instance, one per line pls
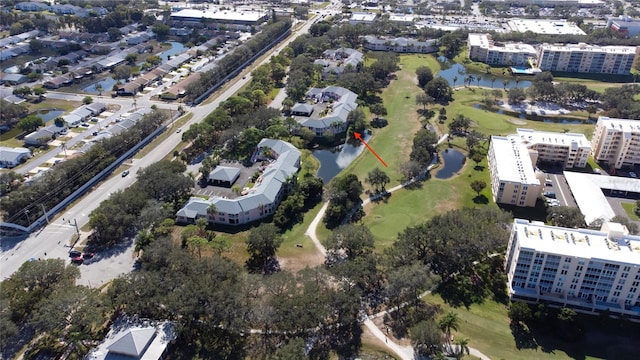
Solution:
(553, 138)
(512, 160)
(611, 49)
(221, 15)
(582, 243)
(622, 125)
(545, 26)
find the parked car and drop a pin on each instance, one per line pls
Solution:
(74, 253)
(87, 255)
(125, 173)
(633, 175)
(77, 260)
(549, 194)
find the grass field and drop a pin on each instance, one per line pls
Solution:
(393, 142)
(629, 209)
(487, 327)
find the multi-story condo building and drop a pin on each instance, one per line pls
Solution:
(588, 270)
(482, 48)
(568, 149)
(584, 58)
(616, 141)
(513, 180)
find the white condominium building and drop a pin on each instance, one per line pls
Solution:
(588, 270)
(482, 48)
(513, 180)
(568, 149)
(616, 141)
(584, 58)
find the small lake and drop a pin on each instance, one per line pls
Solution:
(48, 114)
(449, 71)
(453, 161)
(332, 161)
(176, 49)
(107, 85)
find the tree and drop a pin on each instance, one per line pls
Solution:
(161, 30)
(439, 89)
(30, 123)
(426, 338)
(122, 72)
(348, 242)
(477, 158)
(462, 345)
(516, 96)
(460, 124)
(262, 244)
(478, 186)
(87, 100)
(378, 178)
(424, 75)
(131, 59)
(566, 216)
(378, 109)
(449, 321)
(424, 100)
(423, 146)
(22, 91)
(591, 109)
(520, 311)
(294, 349)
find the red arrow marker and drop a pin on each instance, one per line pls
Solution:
(359, 137)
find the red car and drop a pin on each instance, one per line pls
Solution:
(87, 255)
(77, 260)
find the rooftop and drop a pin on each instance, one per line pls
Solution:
(530, 136)
(221, 15)
(611, 49)
(485, 41)
(608, 244)
(545, 26)
(512, 160)
(623, 125)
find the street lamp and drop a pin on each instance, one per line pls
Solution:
(26, 212)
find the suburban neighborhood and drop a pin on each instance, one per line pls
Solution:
(319, 180)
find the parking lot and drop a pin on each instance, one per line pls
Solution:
(245, 176)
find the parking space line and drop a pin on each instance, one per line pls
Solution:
(559, 186)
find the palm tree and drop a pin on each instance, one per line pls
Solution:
(493, 79)
(478, 79)
(455, 78)
(449, 322)
(505, 82)
(99, 89)
(462, 347)
(517, 81)
(211, 211)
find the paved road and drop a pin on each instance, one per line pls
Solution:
(53, 238)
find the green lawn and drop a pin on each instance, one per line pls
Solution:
(487, 327)
(629, 208)
(393, 142)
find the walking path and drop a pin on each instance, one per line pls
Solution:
(404, 352)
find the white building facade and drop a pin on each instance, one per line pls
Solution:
(482, 48)
(585, 58)
(616, 141)
(590, 271)
(513, 180)
(568, 149)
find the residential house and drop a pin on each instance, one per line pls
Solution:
(44, 135)
(142, 340)
(31, 6)
(57, 82)
(96, 108)
(400, 45)
(336, 103)
(256, 203)
(12, 79)
(12, 157)
(339, 61)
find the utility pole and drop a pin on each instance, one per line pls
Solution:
(75, 222)
(46, 216)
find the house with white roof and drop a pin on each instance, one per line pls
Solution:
(145, 340)
(339, 61)
(588, 270)
(513, 179)
(333, 105)
(255, 203)
(12, 157)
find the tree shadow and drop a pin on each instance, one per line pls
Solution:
(522, 336)
(478, 168)
(481, 199)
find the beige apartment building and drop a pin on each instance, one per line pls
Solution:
(616, 141)
(585, 58)
(482, 48)
(567, 149)
(513, 179)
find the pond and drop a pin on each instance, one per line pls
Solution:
(176, 49)
(449, 71)
(48, 114)
(332, 161)
(453, 161)
(107, 85)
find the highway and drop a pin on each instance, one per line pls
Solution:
(52, 240)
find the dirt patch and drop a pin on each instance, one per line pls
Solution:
(295, 264)
(517, 122)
